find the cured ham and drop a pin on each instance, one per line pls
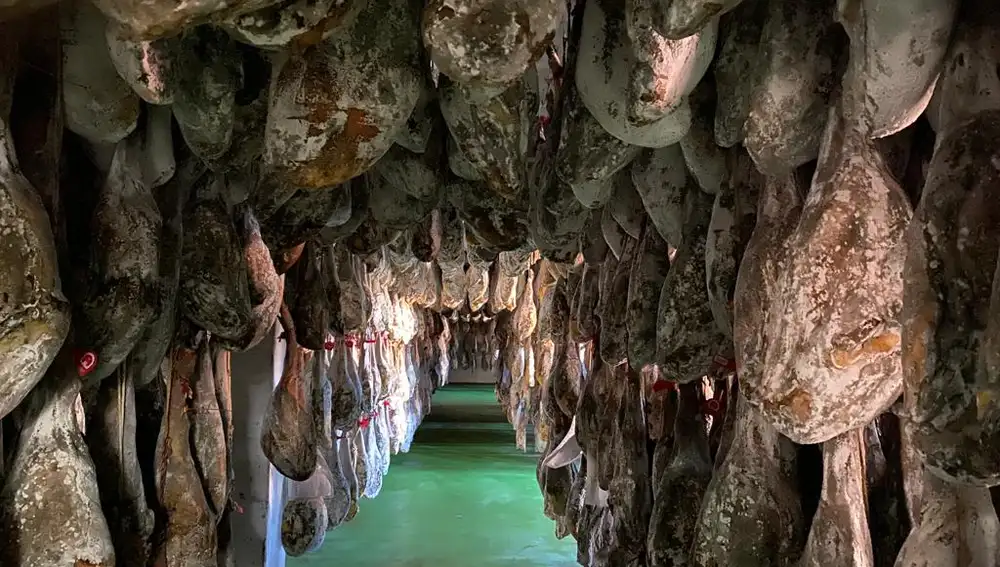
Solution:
(752, 513)
(833, 361)
(949, 274)
(307, 142)
(51, 452)
(34, 313)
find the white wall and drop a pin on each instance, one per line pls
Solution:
(459, 376)
(252, 384)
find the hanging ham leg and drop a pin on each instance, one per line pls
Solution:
(488, 43)
(34, 313)
(62, 526)
(897, 51)
(735, 69)
(958, 528)
(687, 337)
(266, 288)
(121, 286)
(111, 439)
(224, 397)
(800, 45)
(304, 518)
(288, 434)
(650, 268)
(752, 514)
(214, 292)
(952, 249)
(208, 431)
(839, 535)
(369, 72)
(679, 486)
(99, 105)
(190, 538)
(833, 360)
(630, 495)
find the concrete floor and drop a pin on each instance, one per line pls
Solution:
(463, 497)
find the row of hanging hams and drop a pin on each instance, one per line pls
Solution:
(767, 221)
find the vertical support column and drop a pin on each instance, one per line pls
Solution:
(274, 551)
(254, 374)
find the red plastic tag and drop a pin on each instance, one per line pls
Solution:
(328, 345)
(363, 422)
(386, 403)
(350, 341)
(86, 362)
(710, 407)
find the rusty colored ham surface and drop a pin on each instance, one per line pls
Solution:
(319, 136)
(833, 359)
(266, 287)
(190, 532)
(288, 434)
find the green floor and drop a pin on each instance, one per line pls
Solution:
(463, 497)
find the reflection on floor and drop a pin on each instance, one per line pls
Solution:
(463, 497)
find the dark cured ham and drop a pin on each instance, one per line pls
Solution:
(34, 313)
(190, 538)
(111, 438)
(288, 434)
(752, 512)
(208, 432)
(679, 486)
(949, 321)
(649, 269)
(687, 338)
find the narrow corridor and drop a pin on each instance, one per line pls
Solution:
(463, 497)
